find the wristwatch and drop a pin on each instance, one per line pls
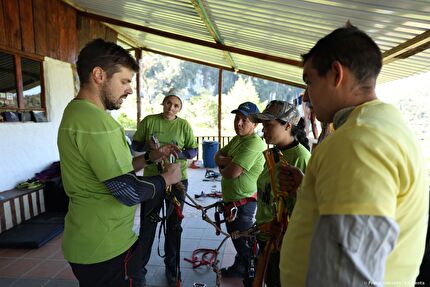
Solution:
(147, 159)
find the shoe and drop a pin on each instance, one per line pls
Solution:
(171, 278)
(234, 271)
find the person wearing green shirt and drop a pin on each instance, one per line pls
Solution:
(361, 213)
(240, 163)
(98, 172)
(283, 128)
(167, 128)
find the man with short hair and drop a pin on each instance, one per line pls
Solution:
(240, 163)
(98, 172)
(361, 211)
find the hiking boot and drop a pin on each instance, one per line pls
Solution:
(171, 278)
(233, 271)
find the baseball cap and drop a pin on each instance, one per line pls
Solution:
(278, 110)
(246, 109)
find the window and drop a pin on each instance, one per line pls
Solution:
(21, 88)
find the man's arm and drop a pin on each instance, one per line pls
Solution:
(187, 153)
(130, 189)
(350, 250)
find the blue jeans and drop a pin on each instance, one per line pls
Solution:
(148, 228)
(244, 220)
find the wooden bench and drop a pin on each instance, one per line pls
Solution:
(17, 206)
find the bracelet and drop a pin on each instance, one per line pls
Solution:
(147, 159)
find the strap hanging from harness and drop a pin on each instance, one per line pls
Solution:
(281, 216)
(172, 197)
(207, 257)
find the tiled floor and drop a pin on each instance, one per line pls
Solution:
(46, 266)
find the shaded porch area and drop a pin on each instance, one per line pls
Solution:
(47, 267)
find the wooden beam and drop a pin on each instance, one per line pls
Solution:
(32, 56)
(252, 74)
(219, 105)
(191, 40)
(138, 53)
(123, 37)
(19, 85)
(409, 48)
(201, 9)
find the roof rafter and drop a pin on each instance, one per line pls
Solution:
(191, 40)
(408, 48)
(210, 25)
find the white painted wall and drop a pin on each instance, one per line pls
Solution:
(27, 148)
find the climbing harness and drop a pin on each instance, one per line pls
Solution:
(281, 215)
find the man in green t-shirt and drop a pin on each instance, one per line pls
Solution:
(240, 163)
(362, 208)
(98, 172)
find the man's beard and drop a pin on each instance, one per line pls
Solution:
(109, 105)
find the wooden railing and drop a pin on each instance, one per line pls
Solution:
(224, 140)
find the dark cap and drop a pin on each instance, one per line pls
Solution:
(246, 109)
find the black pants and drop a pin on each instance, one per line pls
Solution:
(148, 229)
(123, 270)
(244, 220)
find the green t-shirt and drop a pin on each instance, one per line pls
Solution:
(93, 149)
(177, 131)
(297, 156)
(371, 165)
(246, 152)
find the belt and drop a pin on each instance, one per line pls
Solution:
(230, 208)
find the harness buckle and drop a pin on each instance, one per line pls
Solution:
(233, 214)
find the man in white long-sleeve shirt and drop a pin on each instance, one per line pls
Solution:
(361, 212)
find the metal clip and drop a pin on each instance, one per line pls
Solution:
(233, 214)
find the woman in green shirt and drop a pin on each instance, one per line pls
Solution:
(283, 128)
(167, 128)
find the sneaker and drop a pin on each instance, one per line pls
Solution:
(171, 278)
(233, 271)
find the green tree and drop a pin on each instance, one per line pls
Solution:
(242, 91)
(126, 122)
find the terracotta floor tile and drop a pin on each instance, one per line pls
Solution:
(46, 269)
(58, 254)
(45, 251)
(56, 241)
(66, 273)
(15, 253)
(19, 267)
(5, 262)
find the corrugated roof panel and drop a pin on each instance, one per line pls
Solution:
(403, 68)
(178, 48)
(174, 16)
(284, 72)
(265, 25)
(282, 28)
